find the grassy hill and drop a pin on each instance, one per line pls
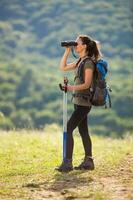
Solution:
(28, 159)
(30, 36)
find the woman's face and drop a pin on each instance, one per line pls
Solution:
(80, 47)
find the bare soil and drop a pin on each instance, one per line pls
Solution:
(84, 185)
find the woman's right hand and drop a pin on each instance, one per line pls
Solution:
(67, 50)
(63, 63)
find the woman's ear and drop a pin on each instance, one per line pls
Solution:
(85, 46)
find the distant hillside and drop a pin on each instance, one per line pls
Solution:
(39, 26)
(30, 36)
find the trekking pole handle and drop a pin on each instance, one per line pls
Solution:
(65, 83)
(64, 87)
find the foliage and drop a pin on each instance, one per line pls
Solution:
(30, 52)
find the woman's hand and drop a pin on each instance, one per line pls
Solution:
(63, 63)
(67, 50)
(70, 87)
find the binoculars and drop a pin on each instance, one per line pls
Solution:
(68, 43)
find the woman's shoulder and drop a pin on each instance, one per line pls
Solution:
(89, 64)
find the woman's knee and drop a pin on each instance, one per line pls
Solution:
(70, 127)
(83, 129)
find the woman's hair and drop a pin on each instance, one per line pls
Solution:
(92, 49)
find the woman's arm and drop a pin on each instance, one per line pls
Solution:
(86, 84)
(63, 63)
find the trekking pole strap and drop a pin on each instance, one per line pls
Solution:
(65, 84)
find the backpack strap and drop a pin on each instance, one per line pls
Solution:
(81, 69)
(77, 65)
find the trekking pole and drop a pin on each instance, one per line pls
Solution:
(64, 116)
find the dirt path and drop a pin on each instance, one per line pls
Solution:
(118, 186)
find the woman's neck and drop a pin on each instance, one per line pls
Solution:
(83, 55)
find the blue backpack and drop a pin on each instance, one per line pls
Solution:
(102, 67)
(99, 92)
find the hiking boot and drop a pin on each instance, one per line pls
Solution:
(87, 164)
(66, 166)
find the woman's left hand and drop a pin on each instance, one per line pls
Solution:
(70, 87)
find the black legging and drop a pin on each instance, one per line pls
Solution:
(79, 119)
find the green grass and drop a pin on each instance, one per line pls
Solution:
(28, 159)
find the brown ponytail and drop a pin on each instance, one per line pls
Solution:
(91, 47)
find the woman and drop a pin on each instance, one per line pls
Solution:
(88, 51)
